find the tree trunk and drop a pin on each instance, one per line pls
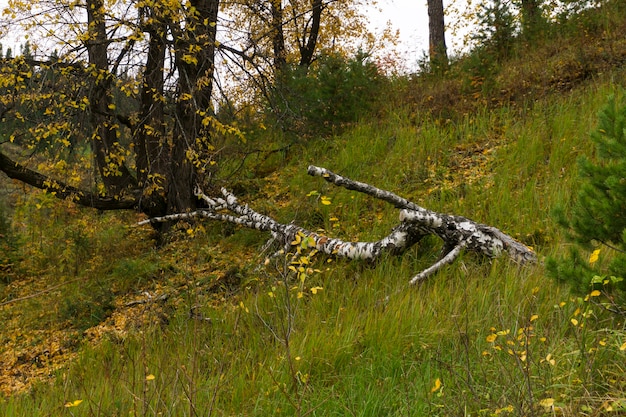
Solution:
(278, 37)
(107, 152)
(436, 35)
(150, 136)
(531, 17)
(458, 233)
(307, 45)
(194, 107)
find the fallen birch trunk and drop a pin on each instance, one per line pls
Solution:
(458, 233)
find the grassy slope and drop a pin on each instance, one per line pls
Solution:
(366, 344)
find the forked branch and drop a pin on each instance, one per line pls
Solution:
(457, 232)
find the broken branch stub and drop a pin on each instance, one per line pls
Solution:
(457, 232)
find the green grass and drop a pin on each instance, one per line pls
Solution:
(366, 344)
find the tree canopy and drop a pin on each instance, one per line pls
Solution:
(114, 105)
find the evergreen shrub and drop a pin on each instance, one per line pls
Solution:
(329, 95)
(597, 222)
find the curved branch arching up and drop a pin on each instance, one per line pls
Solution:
(457, 232)
(451, 229)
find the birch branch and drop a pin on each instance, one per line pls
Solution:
(458, 233)
(451, 229)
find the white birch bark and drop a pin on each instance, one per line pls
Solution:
(452, 230)
(457, 232)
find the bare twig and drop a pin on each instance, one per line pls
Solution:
(149, 299)
(37, 294)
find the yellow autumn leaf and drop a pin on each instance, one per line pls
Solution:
(534, 317)
(437, 386)
(325, 200)
(149, 377)
(594, 293)
(190, 59)
(314, 290)
(547, 402)
(623, 347)
(73, 403)
(574, 322)
(594, 256)
(491, 338)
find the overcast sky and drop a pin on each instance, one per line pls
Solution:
(410, 17)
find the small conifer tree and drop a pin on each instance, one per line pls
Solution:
(598, 216)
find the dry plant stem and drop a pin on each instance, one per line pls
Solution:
(457, 232)
(47, 290)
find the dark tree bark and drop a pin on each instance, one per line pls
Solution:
(436, 35)
(115, 175)
(150, 134)
(19, 172)
(531, 16)
(278, 36)
(195, 87)
(307, 44)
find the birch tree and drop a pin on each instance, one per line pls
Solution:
(458, 233)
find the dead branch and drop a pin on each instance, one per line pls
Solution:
(149, 299)
(458, 233)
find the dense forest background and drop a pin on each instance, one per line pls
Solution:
(113, 112)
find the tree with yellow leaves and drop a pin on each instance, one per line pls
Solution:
(131, 82)
(127, 88)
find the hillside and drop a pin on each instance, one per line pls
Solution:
(97, 320)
